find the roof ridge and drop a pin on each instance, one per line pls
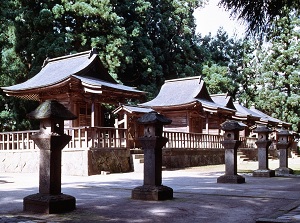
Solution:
(183, 79)
(90, 52)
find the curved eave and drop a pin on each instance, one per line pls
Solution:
(40, 80)
(212, 109)
(245, 117)
(108, 88)
(267, 122)
(176, 107)
(34, 93)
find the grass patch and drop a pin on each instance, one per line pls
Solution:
(296, 172)
(245, 171)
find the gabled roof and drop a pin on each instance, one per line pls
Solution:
(245, 113)
(224, 100)
(185, 92)
(85, 68)
(268, 119)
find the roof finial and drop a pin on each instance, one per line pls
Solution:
(93, 51)
(45, 62)
(200, 79)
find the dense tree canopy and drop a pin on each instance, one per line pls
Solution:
(144, 42)
(141, 43)
(223, 58)
(278, 83)
(260, 14)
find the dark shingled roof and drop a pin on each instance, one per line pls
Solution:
(184, 91)
(132, 109)
(260, 117)
(86, 67)
(242, 111)
(223, 100)
(267, 118)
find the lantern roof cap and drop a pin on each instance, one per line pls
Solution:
(230, 125)
(284, 132)
(51, 109)
(262, 129)
(153, 117)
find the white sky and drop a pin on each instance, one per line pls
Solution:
(211, 17)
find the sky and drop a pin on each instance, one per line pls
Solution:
(211, 17)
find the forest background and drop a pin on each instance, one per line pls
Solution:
(145, 42)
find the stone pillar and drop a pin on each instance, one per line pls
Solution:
(263, 144)
(50, 140)
(152, 143)
(284, 139)
(231, 143)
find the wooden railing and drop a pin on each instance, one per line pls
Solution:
(96, 137)
(82, 137)
(17, 140)
(192, 140)
(248, 142)
(104, 137)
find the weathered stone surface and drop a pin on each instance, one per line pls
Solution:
(111, 160)
(232, 125)
(76, 162)
(49, 204)
(151, 192)
(264, 173)
(283, 171)
(154, 118)
(231, 143)
(232, 179)
(283, 158)
(181, 158)
(19, 161)
(51, 109)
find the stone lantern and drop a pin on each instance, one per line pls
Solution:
(50, 140)
(152, 143)
(231, 143)
(263, 144)
(284, 140)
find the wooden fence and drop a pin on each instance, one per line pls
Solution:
(102, 137)
(193, 140)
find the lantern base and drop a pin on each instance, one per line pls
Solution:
(49, 204)
(283, 171)
(231, 179)
(264, 173)
(152, 193)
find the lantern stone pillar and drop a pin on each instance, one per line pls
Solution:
(50, 140)
(283, 143)
(231, 143)
(263, 143)
(152, 143)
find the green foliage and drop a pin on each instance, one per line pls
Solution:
(217, 79)
(223, 59)
(162, 42)
(142, 42)
(279, 92)
(7, 121)
(259, 15)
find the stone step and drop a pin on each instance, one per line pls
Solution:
(138, 162)
(136, 151)
(137, 156)
(242, 157)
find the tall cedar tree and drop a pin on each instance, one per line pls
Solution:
(279, 93)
